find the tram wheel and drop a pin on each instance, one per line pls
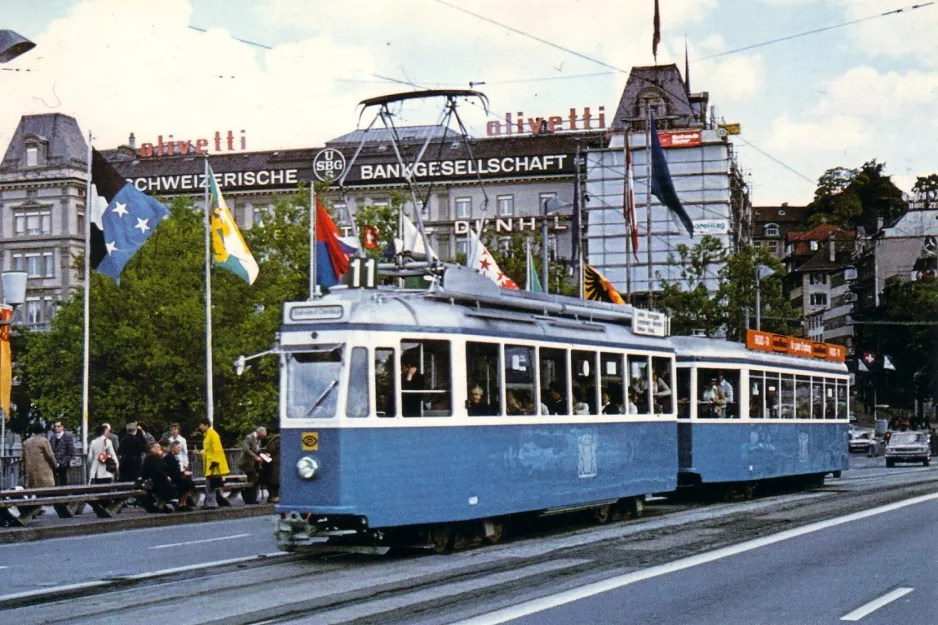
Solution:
(635, 507)
(441, 539)
(602, 514)
(747, 490)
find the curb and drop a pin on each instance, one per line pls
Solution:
(103, 526)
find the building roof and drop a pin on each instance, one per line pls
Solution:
(666, 79)
(405, 134)
(781, 215)
(822, 232)
(65, 144)
(915, 223)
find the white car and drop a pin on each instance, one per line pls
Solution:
(860, 440)
(908, 447)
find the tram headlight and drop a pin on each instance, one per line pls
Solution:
(307, 468)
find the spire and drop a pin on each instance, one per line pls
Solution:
(686, 67)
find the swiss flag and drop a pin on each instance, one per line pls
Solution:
(869, 358)
(371, 237)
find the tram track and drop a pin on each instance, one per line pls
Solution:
(409, 588)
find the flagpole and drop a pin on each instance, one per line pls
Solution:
(627, 213)
(209, 399)
(86, 361)
(527, 263)
(579, 209)
(312, 240)
(648, 175)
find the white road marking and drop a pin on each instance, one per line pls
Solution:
(201, 565)
(575, 594)
(876, 604)
(196, 542)
(4, 567)
(47, 592)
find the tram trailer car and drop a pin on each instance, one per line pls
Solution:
(372, 459)
(787, 419)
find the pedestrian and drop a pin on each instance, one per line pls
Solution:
(115, 442)
(250, 462)
(214, 465)
(156, 479)
(132, 448)
(181, 478)
(99, 451)
(147, 437)
(63, 447)
(12, 449)
(183, 453)
(271, 469)
(38, 459)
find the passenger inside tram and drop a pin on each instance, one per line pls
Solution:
(713, 401)
(477, 404)
(411, 385)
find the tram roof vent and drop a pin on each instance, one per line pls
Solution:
(698, 332)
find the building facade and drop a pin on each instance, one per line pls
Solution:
(703, 166)
(771, 225)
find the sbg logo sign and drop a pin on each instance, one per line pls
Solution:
(328, 164)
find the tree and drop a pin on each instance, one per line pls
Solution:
(511, 257)
(926, 190)
(148, 333)
(692, 306)
(848, 198)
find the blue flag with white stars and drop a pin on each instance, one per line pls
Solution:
(122, 218)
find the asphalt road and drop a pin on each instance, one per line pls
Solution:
(878, 570)
(67, 561)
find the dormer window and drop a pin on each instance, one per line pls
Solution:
(772, 230)
(32, 157)
(781, 212)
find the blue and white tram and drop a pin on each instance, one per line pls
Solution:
(383, 440)
(775, 416)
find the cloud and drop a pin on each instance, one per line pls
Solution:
(906, 35)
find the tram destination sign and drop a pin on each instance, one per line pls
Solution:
(650, 323)
(794, 346)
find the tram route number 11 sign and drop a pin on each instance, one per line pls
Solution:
(650, 323)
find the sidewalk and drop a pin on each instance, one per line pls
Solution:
(49, 525)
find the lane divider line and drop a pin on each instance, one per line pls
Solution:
(197, 542)
(876, 604)
(575, 594)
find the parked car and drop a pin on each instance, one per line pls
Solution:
(908, 447)
(860, 440)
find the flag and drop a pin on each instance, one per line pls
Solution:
(228, 247)
(6, 362)
(480, 260)
(887, 363)
(413, 245)
(331, 253)
(371, 237)
(532, 282)
(869, 358)
(662, 187)
(597, 287)
(122, 218)
(631, 223)
(576, 234)
(862, 368)
(656, 37)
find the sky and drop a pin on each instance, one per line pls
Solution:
(835, 98)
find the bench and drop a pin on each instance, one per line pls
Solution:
(106, 500)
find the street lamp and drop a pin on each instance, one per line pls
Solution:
(762, 271)
(12, 45)
(549, 205)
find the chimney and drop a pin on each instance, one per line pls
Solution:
(832, 249)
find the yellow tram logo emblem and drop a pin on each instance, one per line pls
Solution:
(310, 441)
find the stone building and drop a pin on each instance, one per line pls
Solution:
(771, 225)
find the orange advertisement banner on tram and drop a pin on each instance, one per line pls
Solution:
(793, 346)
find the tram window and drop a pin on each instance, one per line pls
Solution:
(711, 400)
(772, 395)
(612, 384)
(843, 411)
(520, 384)
(683, 393)
(638, 384)
(312, 378)
(357, 404)
(385, 375)
(482, 367)
(425, 379)
(553, 370)
(830, 405)
(802, 397)
(661, 385)
(756, 394)
(584, 382)
(817, 398)
(787, 408)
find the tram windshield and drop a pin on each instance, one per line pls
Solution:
(313, 380)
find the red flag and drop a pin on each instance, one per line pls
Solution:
(656, 38)
(328, 235)
(631, 223)
(371, 237)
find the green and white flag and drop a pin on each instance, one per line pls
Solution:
(228, 247)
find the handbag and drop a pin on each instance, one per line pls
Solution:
(110, 465)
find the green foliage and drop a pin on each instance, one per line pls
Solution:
(848, 198)
(512, 259)
(913, 348)
(148, 333)
(384, 218)
(926, 190)
(692, 306)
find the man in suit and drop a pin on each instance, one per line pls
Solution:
(63, 446)
(250, 462)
